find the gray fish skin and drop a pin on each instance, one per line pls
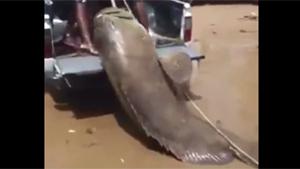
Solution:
(130, 60)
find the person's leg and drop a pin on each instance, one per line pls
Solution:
(65, 10)
(83, 24)
(139, 10)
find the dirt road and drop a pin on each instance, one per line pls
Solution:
(227, 80)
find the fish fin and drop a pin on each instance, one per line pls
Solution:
(222, 157)
(178, 70)
(177, 67)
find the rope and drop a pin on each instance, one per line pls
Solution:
(127, 6)
(113, 3)
(236, 149)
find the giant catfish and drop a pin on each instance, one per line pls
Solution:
(132, 65)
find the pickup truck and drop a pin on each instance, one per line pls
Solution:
(170, 19)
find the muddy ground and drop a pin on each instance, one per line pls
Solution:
(227, 80)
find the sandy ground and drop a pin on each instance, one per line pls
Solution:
(227, 80)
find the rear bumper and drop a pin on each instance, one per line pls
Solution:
(80, 72)
(64, 65)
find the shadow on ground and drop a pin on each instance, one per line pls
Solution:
(88, 103)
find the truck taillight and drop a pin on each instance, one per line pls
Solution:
(187, 29)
